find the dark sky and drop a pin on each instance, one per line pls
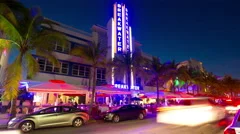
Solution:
(206, 30)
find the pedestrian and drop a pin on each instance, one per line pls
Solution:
(60, 103)
(75, 104)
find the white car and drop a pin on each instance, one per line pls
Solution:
(234, 127)
(194, 112)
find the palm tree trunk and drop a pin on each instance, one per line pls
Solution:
(90, 80)
(157, 93)
(187, 88)
(13, 109)
(93, 89)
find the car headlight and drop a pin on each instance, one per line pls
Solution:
(14, 120)
(110, 115)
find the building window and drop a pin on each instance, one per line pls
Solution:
(65, 49)
(41, 63)
(101, 74)
(80, 70)
(46, 66)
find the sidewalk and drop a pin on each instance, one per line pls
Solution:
(4, 120)
(3, 123)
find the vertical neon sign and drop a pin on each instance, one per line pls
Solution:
(127, 30)
(121, 35)
(119, 28)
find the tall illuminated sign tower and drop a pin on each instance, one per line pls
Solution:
(121, 31)
(121, 40)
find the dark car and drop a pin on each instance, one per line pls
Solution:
(125, 112)
(50, 117)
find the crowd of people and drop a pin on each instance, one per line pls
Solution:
(69, 103)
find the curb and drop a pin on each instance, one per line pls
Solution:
(92, 121)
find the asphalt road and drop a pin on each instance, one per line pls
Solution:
(146, 126)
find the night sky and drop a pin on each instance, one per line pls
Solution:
(205, 30)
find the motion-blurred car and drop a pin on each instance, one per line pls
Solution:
(191, 112)
(50, 117)
(234, 127)
(125, 112)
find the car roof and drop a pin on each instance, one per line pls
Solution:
(58, 106)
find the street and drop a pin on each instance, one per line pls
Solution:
(146, 126)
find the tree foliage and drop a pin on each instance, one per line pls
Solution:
(25, 30)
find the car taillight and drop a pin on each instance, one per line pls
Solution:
(229, 131)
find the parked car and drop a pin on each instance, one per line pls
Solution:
(234, 127)
(125, 112)
(50, 117)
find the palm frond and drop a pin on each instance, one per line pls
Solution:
(14, 5)
(31, 27)
(12, 79)
(83, 51)
(6, 44)
(47, 39)
(7, 13)
(9, 30)
(49, 55)
(31, 65)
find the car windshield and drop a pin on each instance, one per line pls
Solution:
(39, 110)
(42, 109)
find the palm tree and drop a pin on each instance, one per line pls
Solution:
(198, 78)
(212, 84)
(26, 34)
(171, 72)
(184, 75)
(162, 73)
(230, 85)
(156, 70)
(207, 81)
(127, 62)
(96, 54)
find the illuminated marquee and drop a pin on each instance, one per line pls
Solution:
(119, 29)
(126, 86)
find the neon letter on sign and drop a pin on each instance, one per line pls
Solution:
(119, 28)
(121, 86)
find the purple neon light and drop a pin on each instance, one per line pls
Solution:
(119, 29)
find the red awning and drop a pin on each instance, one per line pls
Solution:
(57, 86)
(74, 94)
(102, 95)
